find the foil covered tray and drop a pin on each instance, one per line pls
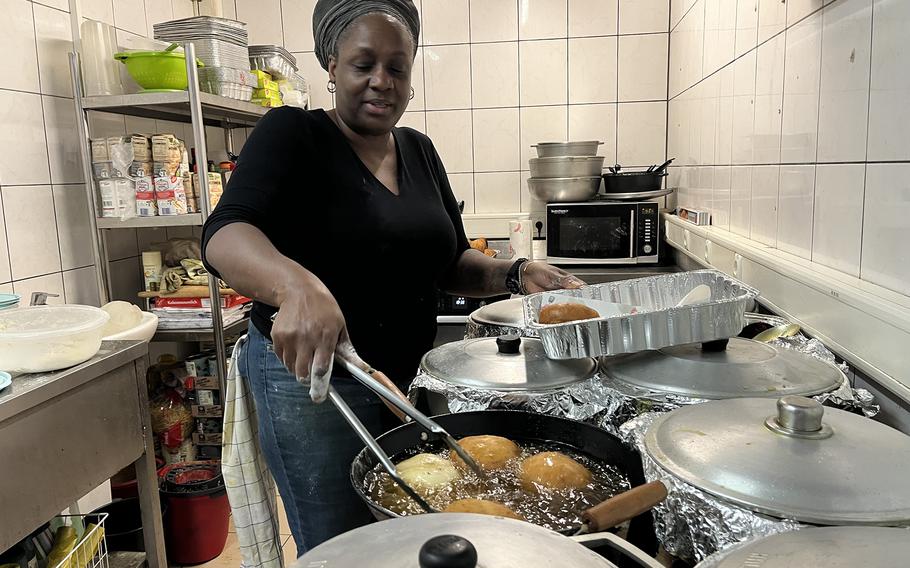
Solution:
(657, 322)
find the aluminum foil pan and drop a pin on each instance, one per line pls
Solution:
(227, 75)
(691, 524)
(230, 90)
(658, 322)
(274, 64)
(475, 329)
(581, 401)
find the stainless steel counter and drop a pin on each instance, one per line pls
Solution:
(64, 433)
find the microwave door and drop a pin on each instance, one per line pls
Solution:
(593, 234)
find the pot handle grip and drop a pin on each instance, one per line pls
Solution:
(625, 506)
(626, 548)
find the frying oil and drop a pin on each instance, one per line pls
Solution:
(554, 509)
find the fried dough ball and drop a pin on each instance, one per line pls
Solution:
(490, 452)
(481, 507)
(566, 312)
(553, 470)
(427, 472)
(479, 244)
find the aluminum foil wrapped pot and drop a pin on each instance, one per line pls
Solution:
(751, 467)
(831, 547)
(669, 378)
(505, 317)
(509, 372)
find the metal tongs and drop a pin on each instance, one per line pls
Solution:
(430, 426)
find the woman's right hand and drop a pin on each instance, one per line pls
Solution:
(305, 332)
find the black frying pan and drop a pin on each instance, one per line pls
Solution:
(519, 426)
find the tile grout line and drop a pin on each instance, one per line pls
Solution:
(862, 229)
(47, 147)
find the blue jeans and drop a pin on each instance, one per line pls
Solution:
(309, 447)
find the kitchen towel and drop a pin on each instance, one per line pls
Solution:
(250, 486)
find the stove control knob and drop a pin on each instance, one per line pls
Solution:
(647, 249)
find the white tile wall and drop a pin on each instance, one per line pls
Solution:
(592, 70)
(496, 192)
(885, 259)
(643, 16)
(447, 76)
(838, 221)
(593, 17)
(809, 106)
(595, 122)
(795, 210)
(640, 139)
(542, 19)
(494, 74)
(889, 116)
(445, 21)
(18, 47)
(54, 41)
(845, 71)
(643, 63)
(541, 124)
(5, 272)
(31, 230)
(494, 20)
(496, 147)
(543, 70)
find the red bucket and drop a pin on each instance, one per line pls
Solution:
(198, 512)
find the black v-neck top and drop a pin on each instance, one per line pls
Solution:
(383, 256)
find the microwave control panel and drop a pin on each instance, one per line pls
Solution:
(648, 230)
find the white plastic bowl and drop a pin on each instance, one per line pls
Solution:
(48, 338)
(142, 332)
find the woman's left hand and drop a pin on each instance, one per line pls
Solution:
(538, 276)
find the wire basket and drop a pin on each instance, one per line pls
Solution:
(91, 548)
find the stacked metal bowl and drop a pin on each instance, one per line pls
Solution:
(221, 45)
(565, 171)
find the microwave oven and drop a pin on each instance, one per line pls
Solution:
(603, 232)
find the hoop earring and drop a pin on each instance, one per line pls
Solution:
(412, 94)
(330, 87)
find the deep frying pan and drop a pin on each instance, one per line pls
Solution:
(519, 426)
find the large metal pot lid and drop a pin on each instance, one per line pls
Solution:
(498, 542)
(745, 368)
(503, 363)
(505, 312)
(790, 458)
(827, 547)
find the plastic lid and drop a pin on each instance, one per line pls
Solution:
(45, 321)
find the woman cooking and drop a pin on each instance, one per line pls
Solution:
(342, 228)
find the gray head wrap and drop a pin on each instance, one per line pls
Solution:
(331, 17)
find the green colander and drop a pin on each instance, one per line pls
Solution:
(156, 70)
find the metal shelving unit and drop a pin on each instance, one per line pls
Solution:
(191, 106)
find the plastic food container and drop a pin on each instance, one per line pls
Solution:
(48, 338)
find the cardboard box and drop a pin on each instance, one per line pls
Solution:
(210, 383)
(228, 301)
(207, 411)
(166, 148)
(207, 439)
(99, 150)
(694, 216)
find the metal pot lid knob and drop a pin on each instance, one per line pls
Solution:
(448, 551)
(799, 417)
(509, 344)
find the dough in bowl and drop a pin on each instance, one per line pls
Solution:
(481, 507)
(427, 472)
(553, 470)
(124, 316)
(490, 452)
